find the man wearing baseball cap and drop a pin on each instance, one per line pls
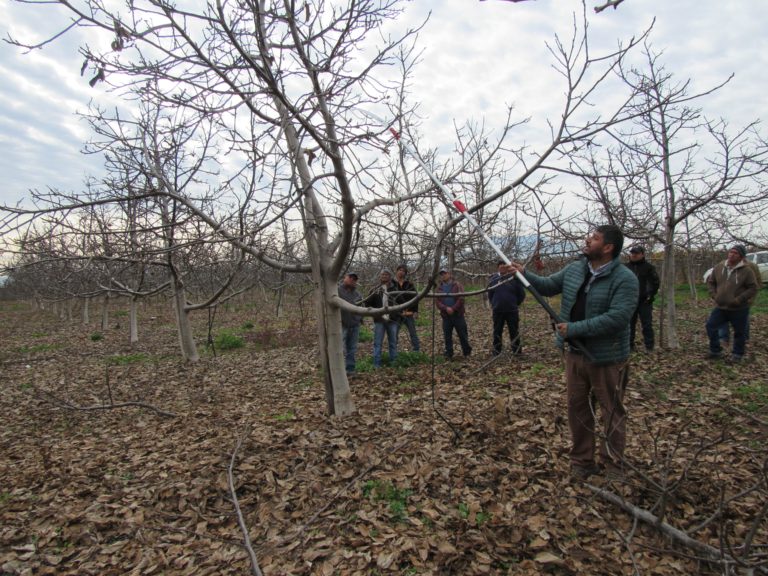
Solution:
(648, 280)
(732, 285)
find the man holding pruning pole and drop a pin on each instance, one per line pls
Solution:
(599, 296)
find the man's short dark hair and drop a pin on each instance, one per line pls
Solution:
(612, 235)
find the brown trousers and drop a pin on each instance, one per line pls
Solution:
(586, 382)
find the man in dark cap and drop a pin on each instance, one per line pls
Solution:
(648, 279)
(732, 285)
(350, 323)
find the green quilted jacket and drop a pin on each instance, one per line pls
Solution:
(611, 301)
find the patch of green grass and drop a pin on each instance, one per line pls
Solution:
(754, 396)
(408, 359)
(5, 496)
(96, 336)
(39, 334)
(403, 361)
(226, 340)
(396, 498)
(124, 359)
(285, 416)
(480, 518)
(365, 335)
(247, 326)
(37, 348)
(121, 313)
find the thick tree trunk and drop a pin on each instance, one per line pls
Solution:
(133, 321)
(86, 310)
(183, 325)
(668, 334)
(337, 393)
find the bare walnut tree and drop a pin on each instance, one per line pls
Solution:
(670, 169)
(283, 90)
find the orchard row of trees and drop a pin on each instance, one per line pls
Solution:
(248, 151)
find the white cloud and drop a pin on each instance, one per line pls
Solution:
(478, 58)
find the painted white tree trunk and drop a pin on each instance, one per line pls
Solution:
(183, 325)
(668, 311)
(105, 312)
(133, 321)
(337, 393)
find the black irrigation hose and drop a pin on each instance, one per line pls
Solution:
(456, 433)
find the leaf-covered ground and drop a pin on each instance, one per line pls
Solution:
(465, 472)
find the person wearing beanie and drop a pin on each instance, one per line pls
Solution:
(648, 280)
(386, 322)
(733, 286)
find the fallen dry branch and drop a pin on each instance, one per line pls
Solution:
(240, 520)
(710, 553)
(61, 403)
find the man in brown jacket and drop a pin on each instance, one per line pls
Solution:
(732, 285)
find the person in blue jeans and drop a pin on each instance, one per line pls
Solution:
(452, 312)
(384, 324)
(724, 332)
(732, 285)
(350, 322)
(406, 291)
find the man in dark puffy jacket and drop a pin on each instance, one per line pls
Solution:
(505, 293)
(732, 285)
(649, 283)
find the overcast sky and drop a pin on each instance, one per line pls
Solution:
(478, 58)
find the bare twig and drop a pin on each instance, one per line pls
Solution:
(711, 553)
(240, 520)
(609, 4)
(49, 397)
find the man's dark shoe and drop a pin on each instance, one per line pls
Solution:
(734, 359)
(613, 473)
(583, 472)
(714, 356)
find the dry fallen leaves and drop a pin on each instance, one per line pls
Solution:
(128, 492)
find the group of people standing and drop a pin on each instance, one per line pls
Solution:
(505, 294)
(389, 292)
(602, 300)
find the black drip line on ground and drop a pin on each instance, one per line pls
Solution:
(454, 429)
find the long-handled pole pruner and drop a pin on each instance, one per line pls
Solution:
(462, 209)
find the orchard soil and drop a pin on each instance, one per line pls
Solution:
(392, 489)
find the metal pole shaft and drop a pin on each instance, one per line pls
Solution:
(462, 209)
